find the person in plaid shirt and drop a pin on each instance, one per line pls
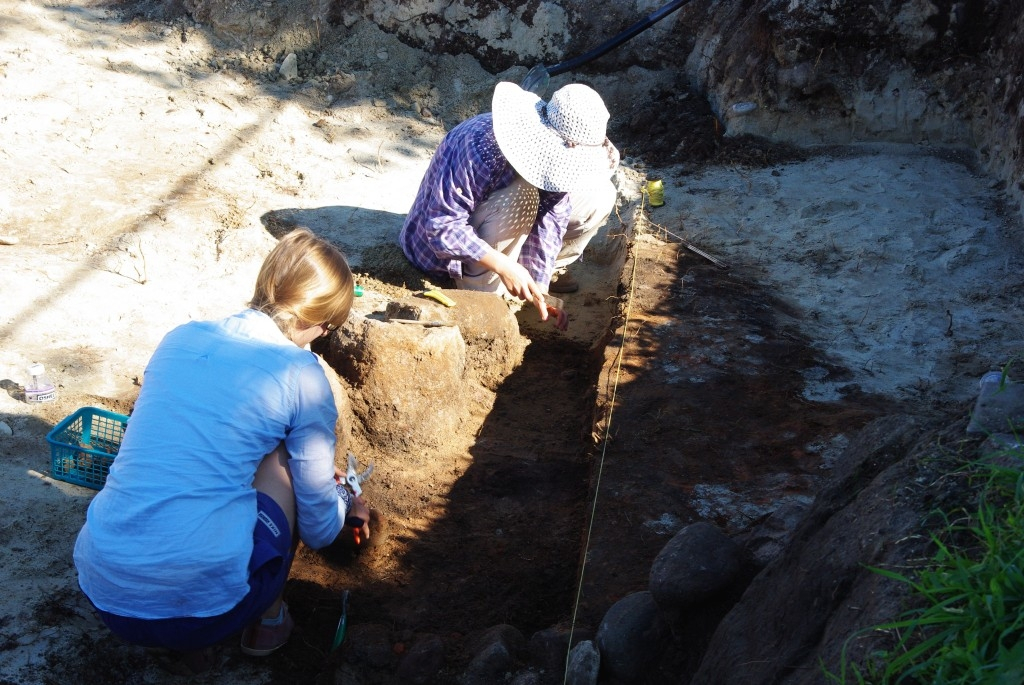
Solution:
(513, 196)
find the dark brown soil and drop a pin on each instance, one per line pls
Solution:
(505, 541)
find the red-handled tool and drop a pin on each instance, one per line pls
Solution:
(354, 478)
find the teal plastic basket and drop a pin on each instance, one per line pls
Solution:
(83, 446)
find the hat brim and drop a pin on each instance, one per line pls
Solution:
(536, 151)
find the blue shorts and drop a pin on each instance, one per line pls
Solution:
(268, 571)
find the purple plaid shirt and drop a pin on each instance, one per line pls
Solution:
(466, 168)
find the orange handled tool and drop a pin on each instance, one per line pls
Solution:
(554, 304)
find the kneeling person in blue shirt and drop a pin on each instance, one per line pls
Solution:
(227, 461)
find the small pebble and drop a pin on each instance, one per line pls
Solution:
(743, 107)
(5, 429)
(9, 240)
(289, 67)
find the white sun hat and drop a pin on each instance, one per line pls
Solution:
(559, 145)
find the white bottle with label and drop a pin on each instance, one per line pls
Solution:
(39, 387)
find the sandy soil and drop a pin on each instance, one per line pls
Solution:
(143, 162)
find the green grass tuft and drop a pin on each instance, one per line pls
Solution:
(968, 622)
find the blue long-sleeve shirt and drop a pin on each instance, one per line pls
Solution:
(170, 534)
(466, 168)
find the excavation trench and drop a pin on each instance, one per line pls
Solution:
(484, 495)
(686, 407)
(685, 392)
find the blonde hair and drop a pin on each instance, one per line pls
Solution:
(304, 281)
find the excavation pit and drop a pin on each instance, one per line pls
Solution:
(862, 280)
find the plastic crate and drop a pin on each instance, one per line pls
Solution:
(83, 446)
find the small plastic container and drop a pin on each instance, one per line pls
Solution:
(39, 388)
(656, 192)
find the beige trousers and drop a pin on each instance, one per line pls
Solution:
(505, 218)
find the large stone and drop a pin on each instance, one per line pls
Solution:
(549, 647)
(495, 653)
(584, 664)
(768, 539)
(424, 659)
(631, 636)
(798, 614)
(999, 408)
(491, 665)
(695, 564)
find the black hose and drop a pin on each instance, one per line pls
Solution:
(618, 40)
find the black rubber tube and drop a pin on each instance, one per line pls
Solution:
(618, 40)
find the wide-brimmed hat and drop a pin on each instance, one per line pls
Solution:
(559, 145)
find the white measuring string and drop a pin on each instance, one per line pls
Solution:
(642, 219)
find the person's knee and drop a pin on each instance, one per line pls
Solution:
(506, 217)
(592, 207)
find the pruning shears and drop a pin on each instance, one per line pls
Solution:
(354, 479)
